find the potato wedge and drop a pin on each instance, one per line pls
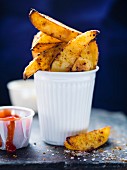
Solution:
(82, 64)
(36, 37)
(88, 141)
(35, 54)
(43, 42)
(32, 68)
(42, 61)
(52, 27)
(66, 59)
(88, 59)
(95, 53)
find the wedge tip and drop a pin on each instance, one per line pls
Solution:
(32, 11)
(24, 76)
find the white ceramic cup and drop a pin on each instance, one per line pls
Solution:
(22, 93)
(64, 103)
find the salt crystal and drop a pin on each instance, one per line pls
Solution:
(66, 151)
(103, 159)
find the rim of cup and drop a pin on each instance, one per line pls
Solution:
(69, 73)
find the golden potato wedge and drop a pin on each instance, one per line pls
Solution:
(36, 37)
(42, 42)
(40, 47)
(82, 64)
(88, 59)
(66, 59)
(32, 68)
(42, 61)
(88, 141)
(35, 54)
(94, 51)
(52, 27)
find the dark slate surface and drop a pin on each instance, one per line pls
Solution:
(38, 155)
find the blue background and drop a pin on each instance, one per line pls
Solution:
(108, 16)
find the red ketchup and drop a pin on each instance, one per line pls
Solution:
(5, 115)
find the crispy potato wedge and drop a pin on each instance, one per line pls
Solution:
(88, 141)
(36, 37)
(40, 47)
(32, 68)
(35, 54)
(95, 53)
(66, 59)
(82, 64)
(52, 27)
(42, 42)
(42, 61)
(88, 59)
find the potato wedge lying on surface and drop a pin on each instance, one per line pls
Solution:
(88, 59)
(66, 59)
(52, 27)
(42, 61)
(43, 42)
(88, 141)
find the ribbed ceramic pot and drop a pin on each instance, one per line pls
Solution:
(64, 103)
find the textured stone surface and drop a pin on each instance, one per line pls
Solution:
(38, 155)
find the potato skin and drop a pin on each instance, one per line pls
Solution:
(52, 27)
(88, 141)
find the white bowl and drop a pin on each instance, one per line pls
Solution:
(15, 127)
(22, 93)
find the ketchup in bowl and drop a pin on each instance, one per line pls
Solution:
(15, 127)
(6, 115)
